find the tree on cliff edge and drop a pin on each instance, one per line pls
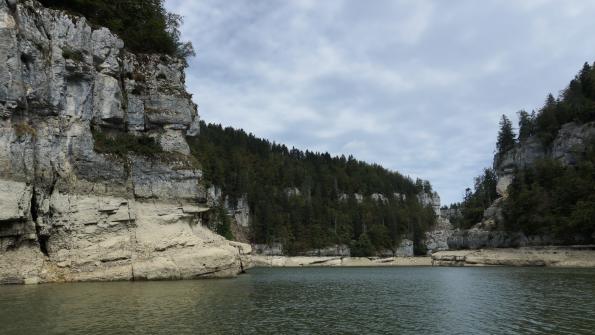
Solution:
(506, 136)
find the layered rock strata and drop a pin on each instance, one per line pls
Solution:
(70, 213)
(580, 256)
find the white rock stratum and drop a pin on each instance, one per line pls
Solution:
(68, 213)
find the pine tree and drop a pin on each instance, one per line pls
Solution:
(506, 136)
(526, 124)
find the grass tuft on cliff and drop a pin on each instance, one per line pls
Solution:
(23, 129)
(121, 144)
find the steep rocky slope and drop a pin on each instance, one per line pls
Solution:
(568, 146)
(70, 213)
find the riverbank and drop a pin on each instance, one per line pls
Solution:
(310, 261)
(583, 256)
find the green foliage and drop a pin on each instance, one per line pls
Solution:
(363, 247)
(324, 210)
(551, 199)
(575, 104)
(478, 199)
(74, 55)
(506, 137)
(23, 129)
(526, 125)
(222, 223)
(144, 25)
(123, 143)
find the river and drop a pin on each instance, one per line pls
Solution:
(388, 300)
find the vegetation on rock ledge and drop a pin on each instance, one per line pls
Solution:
(123, 143)
(144, 25)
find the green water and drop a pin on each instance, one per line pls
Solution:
(315, 301)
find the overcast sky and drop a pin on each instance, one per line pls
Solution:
(416, 86)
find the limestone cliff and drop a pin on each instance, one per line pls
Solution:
(430, 199)
(569, 144)
(71, 212)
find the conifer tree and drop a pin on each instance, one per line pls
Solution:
(506, 136)
(526, 124)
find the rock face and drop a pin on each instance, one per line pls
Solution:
(570, 143)
(437, 238)
(430, 199)
(273, 249)
(68, 213)
(335, 261)
(529, 256)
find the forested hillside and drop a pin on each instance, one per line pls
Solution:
(554, 194)
(308, 200)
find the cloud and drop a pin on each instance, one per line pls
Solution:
(417, 86)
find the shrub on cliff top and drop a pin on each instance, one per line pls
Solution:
(144, 25)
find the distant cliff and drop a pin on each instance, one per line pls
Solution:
(543, 220)
(543, 178)
(96, 177)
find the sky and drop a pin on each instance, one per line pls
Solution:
(416, 86)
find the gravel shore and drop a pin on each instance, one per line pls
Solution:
(297, 261)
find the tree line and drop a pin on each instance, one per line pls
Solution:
(307, 200)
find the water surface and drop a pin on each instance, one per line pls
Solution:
(403, 300)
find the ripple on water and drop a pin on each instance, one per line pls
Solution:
(316, 301)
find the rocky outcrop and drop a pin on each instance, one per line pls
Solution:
(568, 146)
(405, 249)
(379, 197)
(272, 249)
(437, 238)
(333, 261)
(237, 210)
(430, 199)
(583, 256)
(70, 213)
(476, 238)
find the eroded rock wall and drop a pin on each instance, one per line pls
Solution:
(69, 213)
(568, 146)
